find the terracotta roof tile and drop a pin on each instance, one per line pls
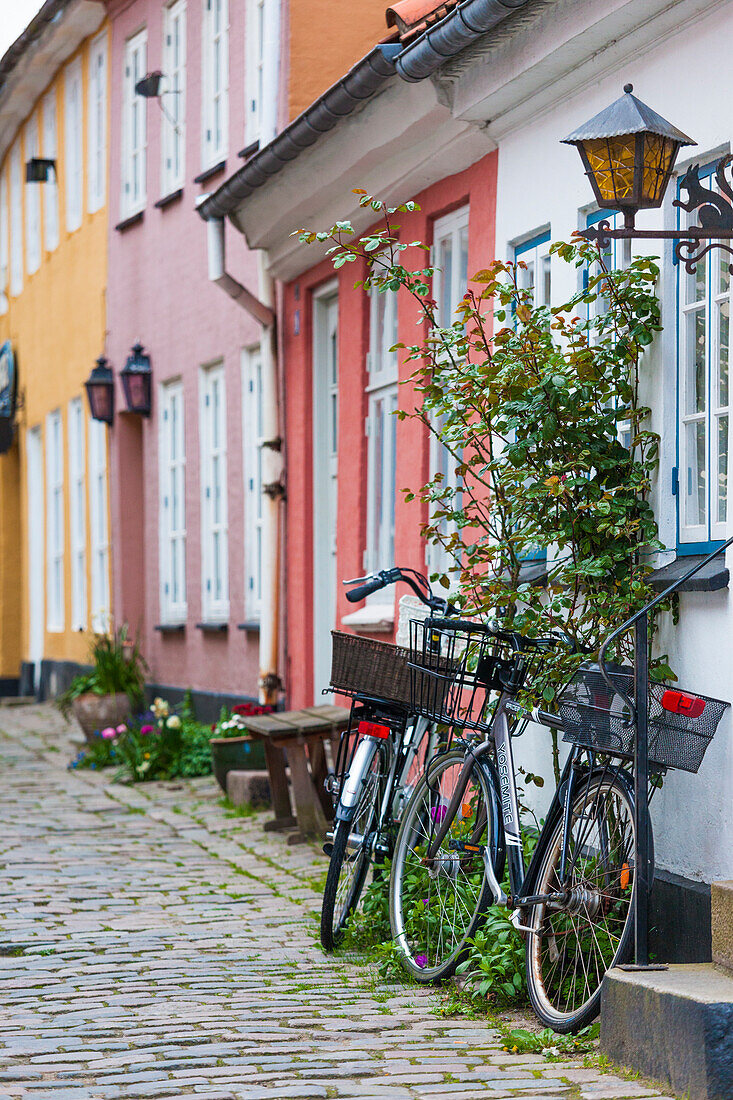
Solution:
(412, 17)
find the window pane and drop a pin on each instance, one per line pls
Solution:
(695, 331)
(723, 352)
(722, 468)
(696, 488)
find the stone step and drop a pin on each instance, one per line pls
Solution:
(251, 788)
(673, 1025)
(721, 899)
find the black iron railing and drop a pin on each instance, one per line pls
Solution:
(640, 710)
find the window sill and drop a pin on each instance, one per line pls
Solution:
(251, 627)
(249, 150)
(127, 223)
(714, 577)
(169, 199)
(213, 628)
(170, 628)
(207, 173)
(375, 618)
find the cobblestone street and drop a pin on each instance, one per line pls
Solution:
(154, 946)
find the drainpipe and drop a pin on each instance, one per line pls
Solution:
(262, 309)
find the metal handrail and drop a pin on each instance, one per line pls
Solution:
(640, 715)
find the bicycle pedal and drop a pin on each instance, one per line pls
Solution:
(463, 846)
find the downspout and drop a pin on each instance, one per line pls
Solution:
(262, 309)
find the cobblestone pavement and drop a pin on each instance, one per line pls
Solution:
(151, 946)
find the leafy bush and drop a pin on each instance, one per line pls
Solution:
(495, 966)
(118, 669)
(552, 1045)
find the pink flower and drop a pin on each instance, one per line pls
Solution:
(438, 813)
(421, 961)
(146, 729)
(121, 728)
(109, 733)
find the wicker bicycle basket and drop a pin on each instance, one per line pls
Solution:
(363, 666)
(681, 723)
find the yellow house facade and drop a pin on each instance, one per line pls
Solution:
(54, 500)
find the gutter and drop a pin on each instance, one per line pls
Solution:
(460, 28)
(366, 78)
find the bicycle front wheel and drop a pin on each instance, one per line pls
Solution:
(573, 942)
(351, 856)
(435, 905)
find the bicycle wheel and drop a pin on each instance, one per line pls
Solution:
(435, 907)
(351, 856)
(572, 944)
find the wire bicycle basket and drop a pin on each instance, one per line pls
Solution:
(598, 717)
(455, 664)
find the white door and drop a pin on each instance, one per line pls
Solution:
(325, 484)
(36, 572)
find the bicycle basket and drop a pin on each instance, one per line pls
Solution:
(453, 666)
(363, 666)
(681, 723)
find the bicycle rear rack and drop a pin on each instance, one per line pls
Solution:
(640, 709)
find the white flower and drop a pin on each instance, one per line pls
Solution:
(160, 708)
(174, 722)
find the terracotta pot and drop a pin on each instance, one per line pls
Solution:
(96, 712)
(235, 754)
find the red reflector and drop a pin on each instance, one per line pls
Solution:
(678, 702)
(374, 729)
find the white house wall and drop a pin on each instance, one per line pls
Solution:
(688, 79)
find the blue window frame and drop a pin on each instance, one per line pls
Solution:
(700, 480)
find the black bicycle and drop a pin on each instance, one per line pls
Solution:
(381, 755)
(574, 902)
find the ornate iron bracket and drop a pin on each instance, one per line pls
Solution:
(693, 243)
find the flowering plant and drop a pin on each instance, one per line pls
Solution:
(233, 723)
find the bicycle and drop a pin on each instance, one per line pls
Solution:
(574, 902)
(381, 755)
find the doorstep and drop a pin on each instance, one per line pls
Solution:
(673, 1025)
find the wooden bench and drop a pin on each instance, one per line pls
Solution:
(298, 736)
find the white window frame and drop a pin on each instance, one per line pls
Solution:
(214, 528)
(32, 201)
(16, 221)
(134, 127)
(262, 46)
(172, 529)
(452, 229)
(50, 187)
(173, 123)
(55, 522)
(97, 125)
(252, 440)
(536, 275)
(99, 526)
(74, 144)
(382, 402)
(215, 82)
(78, 513)
(4, 242)
(713, 308)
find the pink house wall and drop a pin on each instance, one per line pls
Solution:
(159, 293)
(475, 186)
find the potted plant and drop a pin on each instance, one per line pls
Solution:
(106, 696)
(232, 749)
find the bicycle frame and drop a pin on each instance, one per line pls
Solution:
(520, 877)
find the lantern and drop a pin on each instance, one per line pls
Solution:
(136, 378)
(100, 387)
(629, 152)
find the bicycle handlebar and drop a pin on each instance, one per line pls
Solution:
(372, 585)
(419, 584)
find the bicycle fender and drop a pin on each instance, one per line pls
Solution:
(360, 765)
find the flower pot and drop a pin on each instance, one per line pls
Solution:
(235, 754)
(96, 712)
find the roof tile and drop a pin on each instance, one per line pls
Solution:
(413, 17)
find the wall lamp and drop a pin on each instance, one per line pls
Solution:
(629, 152)
(100, 387)
(39, 169)
(137, 382)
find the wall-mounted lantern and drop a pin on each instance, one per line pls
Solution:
(8, 396)
(137, 379)
(40, 170)
(100, 387)
(149, 85)
(629, 152)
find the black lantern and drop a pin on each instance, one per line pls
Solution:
(39, 169)
(100, 387)
(149, 85)
(629, 152)
(137, 378)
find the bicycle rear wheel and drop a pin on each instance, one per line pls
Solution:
(436, 906)
(350, 856)
(574, 942)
